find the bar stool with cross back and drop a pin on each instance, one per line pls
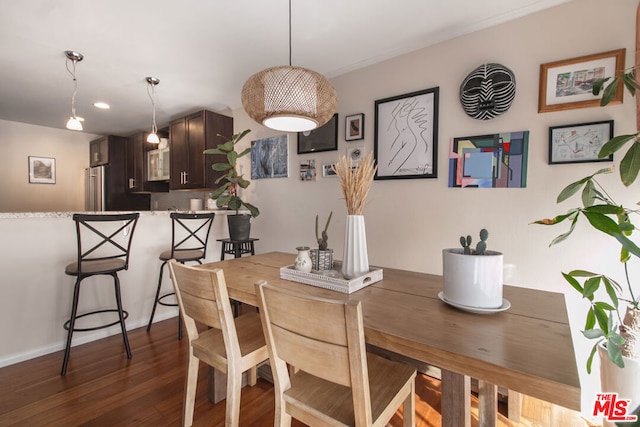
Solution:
(189, 237)
(104, 245)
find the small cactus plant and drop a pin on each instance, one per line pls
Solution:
(481, 246)
(322, 239)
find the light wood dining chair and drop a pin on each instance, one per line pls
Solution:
(331, 379)
(231, 345)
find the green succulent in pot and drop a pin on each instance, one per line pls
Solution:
(229, 183)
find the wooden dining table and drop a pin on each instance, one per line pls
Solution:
(526, 349)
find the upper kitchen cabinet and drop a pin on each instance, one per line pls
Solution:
(113, 153)
(137, 167)
(99, 151)
(189, 137)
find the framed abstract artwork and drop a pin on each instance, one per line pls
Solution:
(324, 138)
(406, 135)
(270, 157)
(579, 143)
(42, 170)
(489, 161)
(354, 127)
(568, 84)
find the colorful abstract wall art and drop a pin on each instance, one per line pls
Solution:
(489, 161)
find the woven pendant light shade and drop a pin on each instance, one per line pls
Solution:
(290, 99)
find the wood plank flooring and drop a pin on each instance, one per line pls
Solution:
(103, 388)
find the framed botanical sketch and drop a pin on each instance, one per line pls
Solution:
(324, 138)
(579, 143)
(42, 170)
(354, 127)
(568, 84)
(406, 135)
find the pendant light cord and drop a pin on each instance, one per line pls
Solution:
(289, 33)
(75, 86)
(152, 93)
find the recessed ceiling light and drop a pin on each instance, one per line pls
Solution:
(101, 105)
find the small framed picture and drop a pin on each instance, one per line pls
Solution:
(42, 170)
(354, 127)
(324, 138)
(568, 84)
(355, 154)
(579, 143)
(327, 170)
(307, 170)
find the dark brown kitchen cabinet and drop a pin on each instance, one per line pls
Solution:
(189, 137)
(99, 151)
(118, 198)
(136, 172)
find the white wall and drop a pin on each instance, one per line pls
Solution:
(18, 141)
(410, 221)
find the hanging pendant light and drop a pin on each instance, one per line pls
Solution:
(153, 136)
(74, 122)
(290, 99)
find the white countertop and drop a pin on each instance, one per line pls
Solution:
(9, 215)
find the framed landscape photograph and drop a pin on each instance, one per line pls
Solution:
(406, 135)
(354, 127)
(568, 84)
(42, 170)
(324, 138)
(579, 143)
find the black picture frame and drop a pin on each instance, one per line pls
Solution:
(579, 143)
(324, 138)
(354, 127)
(406, 135)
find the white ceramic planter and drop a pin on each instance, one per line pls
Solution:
(624, 381)
(472, 280)
(355, 262)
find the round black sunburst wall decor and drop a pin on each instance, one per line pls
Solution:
(488, 91)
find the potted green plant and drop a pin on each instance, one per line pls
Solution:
(322, 258)
(473, 277)
(617, 336)
(226, 194)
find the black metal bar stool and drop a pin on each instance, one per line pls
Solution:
(104, 243)
(189, 237)
(237, 248)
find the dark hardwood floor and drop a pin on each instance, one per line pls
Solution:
(103, 388)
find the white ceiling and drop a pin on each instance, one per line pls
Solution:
(203, 50)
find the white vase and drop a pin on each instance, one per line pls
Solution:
(303, 260)
(472, 280)
(624, 381)
(355, 261)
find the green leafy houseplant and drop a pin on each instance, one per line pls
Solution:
(604, 321)
(229, 183)
(481, 246)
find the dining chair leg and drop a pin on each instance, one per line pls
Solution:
(116, 283)
(252, 378)
(190, 389)
(234, 388)
(409, 409)
(72, 322)
(155, 301)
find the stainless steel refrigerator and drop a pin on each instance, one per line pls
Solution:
(95, 189)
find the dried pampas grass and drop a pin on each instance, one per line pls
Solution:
(355, 181)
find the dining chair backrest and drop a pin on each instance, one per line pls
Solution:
(104, 241)
(324, 338)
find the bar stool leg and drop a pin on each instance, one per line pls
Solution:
(155, 302)
(116, 284)
(72, 322)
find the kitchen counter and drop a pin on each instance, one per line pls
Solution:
(36, 293)
(10, 215)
